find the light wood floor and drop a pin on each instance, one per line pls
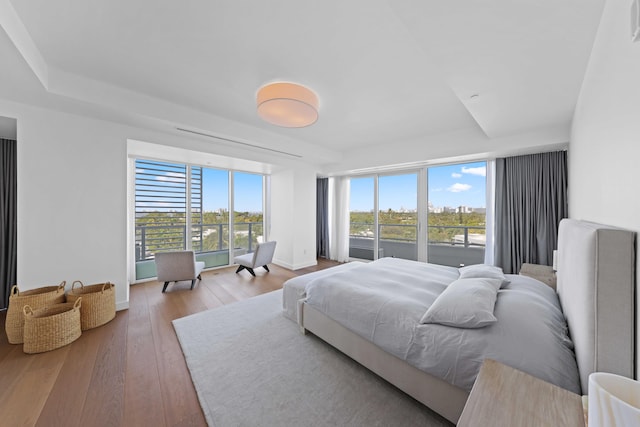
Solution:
(129, 372)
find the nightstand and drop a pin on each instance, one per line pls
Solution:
(543, 273)
(503, 396)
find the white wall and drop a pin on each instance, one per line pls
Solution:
(604, 153)
(293, 220)
(71, 200)
(8, 128)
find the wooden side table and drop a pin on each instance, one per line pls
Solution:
(503, 396)
(543, 273)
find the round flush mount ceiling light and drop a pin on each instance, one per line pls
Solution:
(287, 104)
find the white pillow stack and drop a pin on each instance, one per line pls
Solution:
(469, 301)
(483, 271)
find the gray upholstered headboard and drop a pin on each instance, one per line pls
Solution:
(596, 290)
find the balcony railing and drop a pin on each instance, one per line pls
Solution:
(162, 238)
(447, 245)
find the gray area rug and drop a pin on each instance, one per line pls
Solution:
(252, 367)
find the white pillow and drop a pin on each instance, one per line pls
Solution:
(465, 303)
(483, 270)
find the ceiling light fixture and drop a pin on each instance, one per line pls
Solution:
(288, 105)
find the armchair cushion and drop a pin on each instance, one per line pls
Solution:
(262, 256)
(178, 265)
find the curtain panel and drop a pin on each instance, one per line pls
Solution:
(531, 199)
(322, 217)
(339, 190)
(8, 218)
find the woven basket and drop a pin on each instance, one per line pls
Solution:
(98, 303)
(51, 327)
(36, 298)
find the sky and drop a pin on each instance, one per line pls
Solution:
(248, 187)
(248, 191)
(451, 185)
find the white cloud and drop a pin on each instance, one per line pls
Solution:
(458, 187)
(481, 171)
(456, 175)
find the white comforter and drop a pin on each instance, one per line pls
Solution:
(383, 302)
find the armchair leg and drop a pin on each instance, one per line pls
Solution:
(249, 269)
(193, 282)
(266, 268)
(199, 277)
(165, 286)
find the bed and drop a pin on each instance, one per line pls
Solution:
(594, 300)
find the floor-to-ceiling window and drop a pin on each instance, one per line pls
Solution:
(210, 215)
(248, 217)
(398, 216)
(383, 217)
(449, 225)
(457, 214)
(180, 207)
(362, 218)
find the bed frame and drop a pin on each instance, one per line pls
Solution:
(596, 291)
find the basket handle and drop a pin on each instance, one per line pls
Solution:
(77, 303)
(73, 285)
(61, 286)
(14, 290)
(105, 285)
(27, 310)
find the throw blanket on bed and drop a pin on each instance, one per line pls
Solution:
(383, 302)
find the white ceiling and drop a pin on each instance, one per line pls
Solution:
(385, 71)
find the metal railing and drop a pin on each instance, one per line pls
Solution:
(435, 233)
(447, 245)
(162, 238)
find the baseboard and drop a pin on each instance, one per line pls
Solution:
(124, 305)
(296, 266)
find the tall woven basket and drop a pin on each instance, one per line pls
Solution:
(35, 298)
(51, 327)
(98, 303)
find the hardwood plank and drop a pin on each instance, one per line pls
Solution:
(13, 367)
(131, 371)
(142, 397)
(178, 394)
(30, 393)
(105, 396)
(75, 374)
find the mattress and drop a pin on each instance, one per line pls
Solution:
(383, 302)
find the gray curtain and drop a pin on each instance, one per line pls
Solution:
(531, 199)
(322, 218)
(8, 223)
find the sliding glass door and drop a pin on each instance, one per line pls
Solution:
(447, 226)
(210, 215)
(362, 218)
(383, 217)
(457, 214)
(398, 216)
(248, 222)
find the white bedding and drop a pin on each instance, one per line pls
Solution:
(383, 302)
